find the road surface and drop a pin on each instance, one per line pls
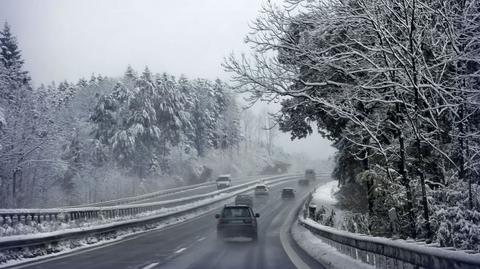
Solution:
(196, 191)
(193, 244)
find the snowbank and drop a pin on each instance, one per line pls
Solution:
(324, 199)
(324, 194)
(326, 255)
(401, 247)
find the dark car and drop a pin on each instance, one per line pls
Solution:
(237, 220)
(303, 182)
(288, 193)
(310, 174)
(244, 199)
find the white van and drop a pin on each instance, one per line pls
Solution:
(223, 181)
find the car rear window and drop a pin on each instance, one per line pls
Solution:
(236, 212)
(288, 191)
(262, 188)
(223, 179)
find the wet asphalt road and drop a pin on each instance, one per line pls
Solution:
(193, 244)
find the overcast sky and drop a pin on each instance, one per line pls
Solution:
(69, 39)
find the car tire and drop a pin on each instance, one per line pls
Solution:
(255, 237)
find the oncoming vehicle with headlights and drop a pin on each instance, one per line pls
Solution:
(260, 189)
(223, 181)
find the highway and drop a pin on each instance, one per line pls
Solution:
(193, 244)
(194, 191)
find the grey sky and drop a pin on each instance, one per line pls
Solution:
(69, 39)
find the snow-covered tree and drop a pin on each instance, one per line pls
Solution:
(390, 82)
(11, 55)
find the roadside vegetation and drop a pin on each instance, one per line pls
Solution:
(103, 138)
(395, 85)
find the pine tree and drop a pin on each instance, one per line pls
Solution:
(11, 55)
(130, 73)
(203, 117)
(171, 114)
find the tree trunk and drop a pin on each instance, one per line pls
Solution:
(420, 164)
(406, 184)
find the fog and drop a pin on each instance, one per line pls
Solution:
(66, 40)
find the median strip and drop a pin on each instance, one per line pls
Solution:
(12, 248)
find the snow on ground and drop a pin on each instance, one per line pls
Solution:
(325, 254)
(331, 258)
(66, 246)
(324, 196)
(204, 206)
(21, 230)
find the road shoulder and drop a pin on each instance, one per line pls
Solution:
(297, 255)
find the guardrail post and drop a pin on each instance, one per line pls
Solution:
(312, 208)
(389, 262)
(370, 258)
(353, 253)
(362, 255)
(380, 261)
(350, 251)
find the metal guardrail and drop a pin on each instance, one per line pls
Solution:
(142, 197)
(387, 253)
(151, 195)
(12, 217)
(16, 243)
(157, 194)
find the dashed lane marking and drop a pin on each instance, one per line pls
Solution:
(150, 266)
(180, 250)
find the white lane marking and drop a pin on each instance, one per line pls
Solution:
(150, 266)
(296, 260)
(180, 250)
(129, 237)
(201, 239)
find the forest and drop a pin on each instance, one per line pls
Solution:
(73, 143)
(395, 85)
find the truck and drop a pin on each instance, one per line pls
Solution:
(309, 176)
(223, 181)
